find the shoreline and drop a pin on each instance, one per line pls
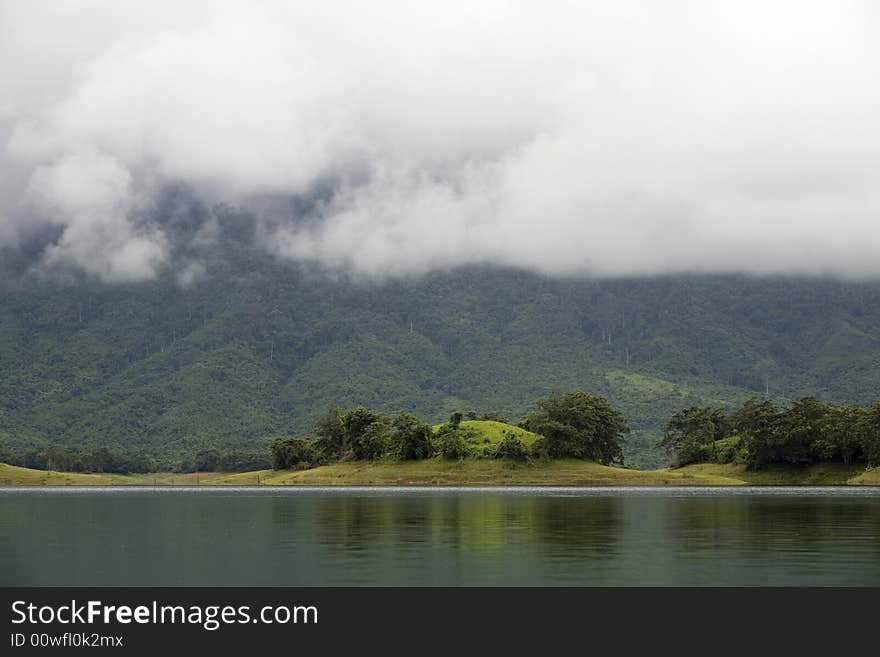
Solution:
(560, 491)
(487, 474)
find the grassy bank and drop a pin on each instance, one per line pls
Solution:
(467, 473)
(437, 472)
(817, 474)
(11, 475)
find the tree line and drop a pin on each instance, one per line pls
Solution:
(104, 460)
(70, 459)
(572, 425)
(760, 433)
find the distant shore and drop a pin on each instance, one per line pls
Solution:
(468, 472)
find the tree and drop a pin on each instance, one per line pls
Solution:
(869, 433)
(372, 443)
(578, 425)
(366, 433)
(330, 435)
(207, 460)
(291, 453)
(690, 435)
(410, 438)
(756, 422)
(62, 458)
(799, 427)
(840, 436)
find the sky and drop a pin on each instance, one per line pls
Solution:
(567, 138)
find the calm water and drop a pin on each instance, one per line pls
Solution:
(439, 537)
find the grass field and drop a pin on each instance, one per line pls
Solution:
(472, 472)
(818, 474)
(11, 475)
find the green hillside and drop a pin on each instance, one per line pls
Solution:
(491, 432)
(261, 348)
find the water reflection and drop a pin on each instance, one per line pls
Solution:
(313, 538)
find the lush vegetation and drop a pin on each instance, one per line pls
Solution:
(259, 348)
(759, 434)
(575, 425)
(103, 460)
(56, 457)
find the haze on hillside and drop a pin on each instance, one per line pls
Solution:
(396, 138)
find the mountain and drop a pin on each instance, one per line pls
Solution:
(260, 347)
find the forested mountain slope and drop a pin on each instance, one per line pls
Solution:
(259, 347)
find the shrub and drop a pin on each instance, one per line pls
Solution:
(452, 445)
(691, 451)
(540, 449)
(511, 448)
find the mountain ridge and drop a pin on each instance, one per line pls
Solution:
(259, 347)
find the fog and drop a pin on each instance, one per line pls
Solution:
(621, 138)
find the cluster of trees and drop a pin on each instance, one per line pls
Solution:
(68, 459)
(104, 460)
(760, 433)
(358, 434)
(578, 425)
(573, 425)
(239, 460)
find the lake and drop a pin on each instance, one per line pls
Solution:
(299, 537)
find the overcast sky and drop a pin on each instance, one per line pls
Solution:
(607, 138)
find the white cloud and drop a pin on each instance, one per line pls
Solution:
(191, 273)
(90, 194)
(621, 138)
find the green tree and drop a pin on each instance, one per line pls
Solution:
(372, 443)
(291, 453)
(410, 438)
(366, 433)
(578, 425)
(798, 428)
(840, 436)
(330, 435)
(206, 460)
(756, 422)
(869, 433)
(63, 459)
(690, 435)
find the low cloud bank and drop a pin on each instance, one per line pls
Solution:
(613, 140)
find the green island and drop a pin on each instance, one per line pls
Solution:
(572, 439)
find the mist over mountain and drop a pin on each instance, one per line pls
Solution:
(233, 347)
